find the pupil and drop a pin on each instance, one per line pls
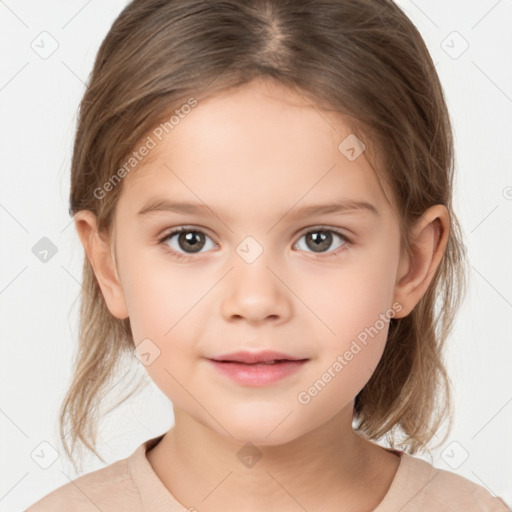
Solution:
(321, 240)
(190, 237)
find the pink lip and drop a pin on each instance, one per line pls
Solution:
(254, 372)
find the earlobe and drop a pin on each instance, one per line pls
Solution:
(98, 252)
(429, 237)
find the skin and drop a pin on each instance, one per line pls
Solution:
(252, 155)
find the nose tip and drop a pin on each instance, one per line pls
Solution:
(255, 294)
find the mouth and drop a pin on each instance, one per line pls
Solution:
(262, 357)
(257, 369)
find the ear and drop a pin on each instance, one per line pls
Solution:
(429, 237)
(97, 249)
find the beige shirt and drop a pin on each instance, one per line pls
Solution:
(131, 485)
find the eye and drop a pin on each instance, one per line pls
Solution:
(189, 239)
(321, 238)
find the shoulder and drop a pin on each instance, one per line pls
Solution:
(106, 489)
(431, 488)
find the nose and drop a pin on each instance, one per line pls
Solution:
(254, 292)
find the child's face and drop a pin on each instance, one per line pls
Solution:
(255, 157)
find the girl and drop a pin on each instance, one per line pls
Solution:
(303, 150)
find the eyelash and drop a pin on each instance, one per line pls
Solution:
(186, 257)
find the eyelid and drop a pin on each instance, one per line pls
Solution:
(323, 227)
(183, 227)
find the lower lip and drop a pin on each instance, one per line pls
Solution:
(258, 374)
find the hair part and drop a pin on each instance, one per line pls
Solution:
(364, 60)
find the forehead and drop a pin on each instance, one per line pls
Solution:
(258, 146)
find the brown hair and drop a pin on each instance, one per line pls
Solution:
(363, 59)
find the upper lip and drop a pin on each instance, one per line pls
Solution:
(256, 357)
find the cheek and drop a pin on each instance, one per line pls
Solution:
(160, 296)
(350, 298)
(348, 356)
(165, 307)
(355, 306)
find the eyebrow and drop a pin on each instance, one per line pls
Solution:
(340, 207)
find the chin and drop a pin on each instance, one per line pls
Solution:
(260, 429)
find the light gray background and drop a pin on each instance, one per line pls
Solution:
(39, 99)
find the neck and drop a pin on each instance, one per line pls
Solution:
(205, 469)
